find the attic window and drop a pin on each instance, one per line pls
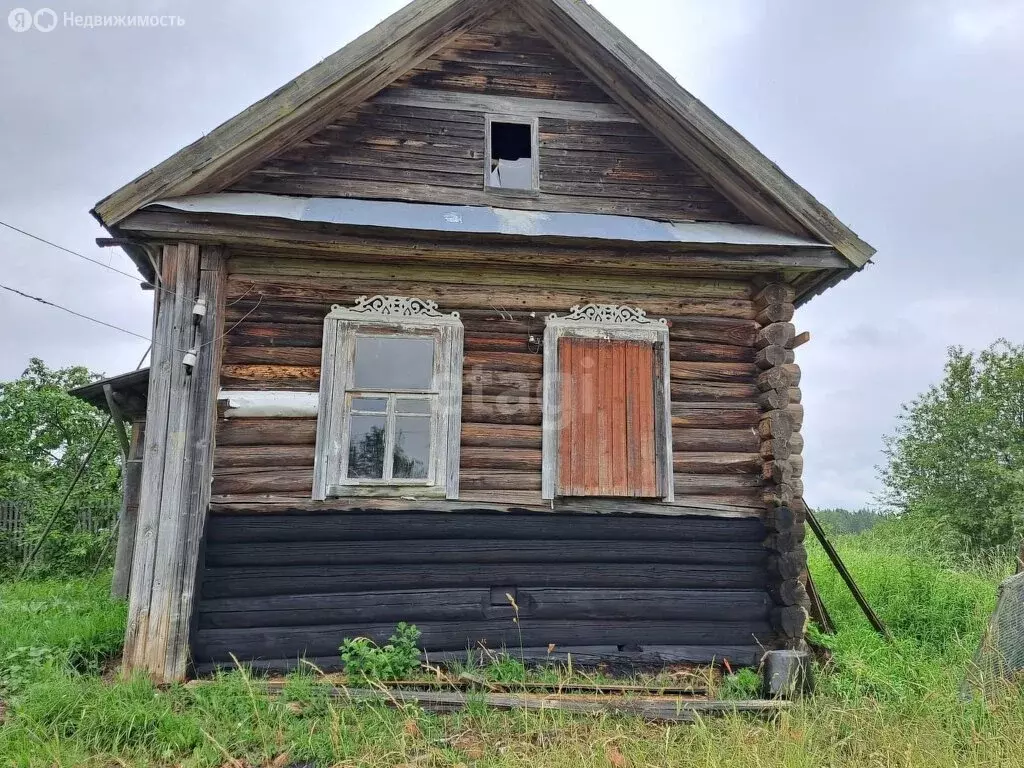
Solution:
(512, 152)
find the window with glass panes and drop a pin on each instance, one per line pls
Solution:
(390, 401)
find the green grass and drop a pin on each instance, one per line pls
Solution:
(876, 704)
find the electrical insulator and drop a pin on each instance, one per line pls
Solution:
(199, 310)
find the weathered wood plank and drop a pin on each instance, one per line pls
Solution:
(128, 518)
(474, 604)
(284, 641)
(256, 581)
(270, 432)
(483, 552)
(496, 524)
(650, 286)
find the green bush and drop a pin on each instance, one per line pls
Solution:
(394, 661)
(742, 684)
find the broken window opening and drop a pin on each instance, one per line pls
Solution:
(512, 156)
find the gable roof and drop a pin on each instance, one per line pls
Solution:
(754, 184)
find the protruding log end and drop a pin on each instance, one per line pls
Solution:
(779, 496)
(773, 355)
(775, 424)
(777, 471)
(778, 334)
(789, 592)
(776, 448)
(774, 399)
(796, 415)
(775, 313)
(788, 565)
(775, 293)
(775, 378)
(783, 519)
(790, 621)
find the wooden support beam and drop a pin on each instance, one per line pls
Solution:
(199, 467)
(177, 470)
(118, 420)
(128, 518)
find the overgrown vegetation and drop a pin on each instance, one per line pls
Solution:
(45, 434)
(875, 705)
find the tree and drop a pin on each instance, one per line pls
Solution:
(956, 458)
(45, 434)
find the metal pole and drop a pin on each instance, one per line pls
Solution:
(841, 567)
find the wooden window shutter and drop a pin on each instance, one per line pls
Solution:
(607, 440)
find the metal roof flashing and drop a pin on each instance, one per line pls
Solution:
(482, 220)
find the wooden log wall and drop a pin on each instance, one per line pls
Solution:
(422, 139)
(275, 587)
(781, 449)
(276, 307)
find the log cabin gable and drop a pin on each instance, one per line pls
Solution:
(498, 101)
(709, 173)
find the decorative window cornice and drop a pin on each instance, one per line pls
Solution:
(392, 307)
(607, 313)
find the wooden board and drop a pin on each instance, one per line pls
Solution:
(607, 400)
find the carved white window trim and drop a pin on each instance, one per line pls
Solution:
(392, 316)
(605, 321)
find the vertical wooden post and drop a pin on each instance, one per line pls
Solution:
(128, 517)
(199, 454)
(176, 470)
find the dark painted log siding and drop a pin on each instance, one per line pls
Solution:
(275, 587)
(411, 152)
(714, 400)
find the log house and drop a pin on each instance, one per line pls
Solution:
(483, 306)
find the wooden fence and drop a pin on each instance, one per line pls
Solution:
(14, 515)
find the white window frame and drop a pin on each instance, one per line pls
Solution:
(534, 124)
(605, 321)
(391, 316)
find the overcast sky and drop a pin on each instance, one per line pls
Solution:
(905, 118)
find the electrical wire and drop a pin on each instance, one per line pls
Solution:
(76, 314)
(133, 278)
(97, 262)
(133, 333)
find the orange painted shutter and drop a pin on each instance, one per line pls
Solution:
(607, 438)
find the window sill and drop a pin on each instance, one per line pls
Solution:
(512, 192)
(386, 491)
